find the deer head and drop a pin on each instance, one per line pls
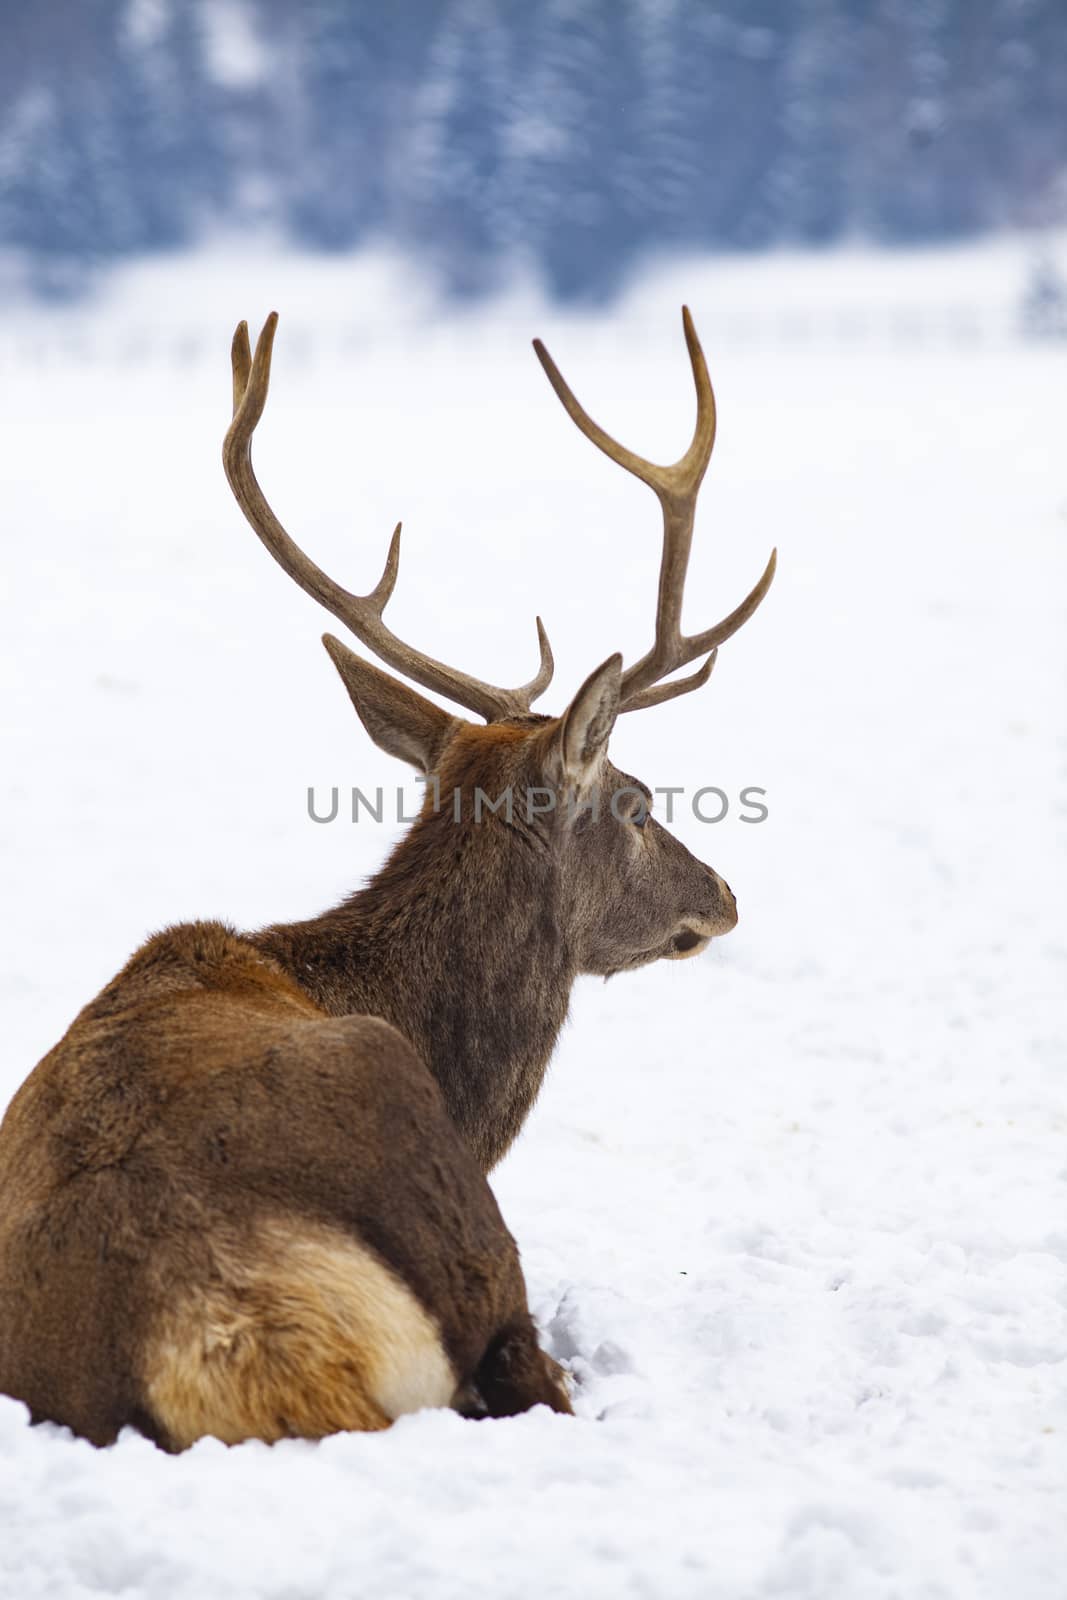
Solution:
(629, 892)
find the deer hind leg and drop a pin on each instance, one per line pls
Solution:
(300, 1333)
(515, 1373)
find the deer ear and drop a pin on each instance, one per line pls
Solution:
(398, 719)
(584, 729)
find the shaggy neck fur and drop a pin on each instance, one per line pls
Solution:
(459, 943)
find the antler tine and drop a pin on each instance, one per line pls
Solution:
(670, 691)
(361, 613)
(676, 487)
(241, 362)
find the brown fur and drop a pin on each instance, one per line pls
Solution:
(471, 937)
(245, 1194)
(142, 1167)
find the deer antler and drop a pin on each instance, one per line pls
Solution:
(676, 488)
(361, 613)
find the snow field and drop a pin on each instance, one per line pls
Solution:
(793, 1213)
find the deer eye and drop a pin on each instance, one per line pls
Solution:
(639, 818)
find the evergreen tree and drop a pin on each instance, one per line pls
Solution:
(577, 136)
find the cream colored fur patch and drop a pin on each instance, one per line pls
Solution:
(300, 1332)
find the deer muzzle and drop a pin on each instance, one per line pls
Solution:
(696, 932)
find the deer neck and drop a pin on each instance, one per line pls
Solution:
(459, 943)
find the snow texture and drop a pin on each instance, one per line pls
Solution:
(793, 1214)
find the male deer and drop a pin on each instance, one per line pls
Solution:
(245, 1195)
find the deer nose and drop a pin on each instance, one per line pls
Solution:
(726, 901)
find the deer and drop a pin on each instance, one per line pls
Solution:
(246, 1195)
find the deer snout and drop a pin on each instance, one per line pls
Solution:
(727, 903)
(696, 931)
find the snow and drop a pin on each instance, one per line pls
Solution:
(794, 1213)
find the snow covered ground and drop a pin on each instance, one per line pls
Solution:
(794, 1214)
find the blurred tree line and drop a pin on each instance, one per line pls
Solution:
(578, 137)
